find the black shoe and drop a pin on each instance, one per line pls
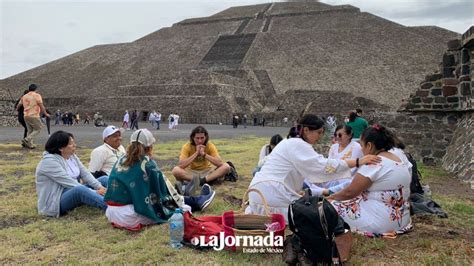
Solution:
(232, 176)
(202, 181)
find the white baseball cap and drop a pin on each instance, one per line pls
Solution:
(110, 130)
(143, 136)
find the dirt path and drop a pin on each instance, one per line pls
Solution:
(90, 136)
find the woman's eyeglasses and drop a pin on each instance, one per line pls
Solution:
(339, 135)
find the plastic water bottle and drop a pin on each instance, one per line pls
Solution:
(176, 229)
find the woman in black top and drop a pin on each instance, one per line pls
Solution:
(21, 117)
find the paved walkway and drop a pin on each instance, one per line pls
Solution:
(90, 136)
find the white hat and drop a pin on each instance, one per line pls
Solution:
(110, 130)
(143, 136)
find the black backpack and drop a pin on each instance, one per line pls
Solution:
(232, 176)
(415, 185)
(315, 223)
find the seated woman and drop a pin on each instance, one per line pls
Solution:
(57, 176)
(398, 150)
(293, 133)
(265, 151)
(376, 202)
(345, 148)
(291, 162)
(139, 194)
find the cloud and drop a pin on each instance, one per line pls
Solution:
(32, 53)
(455, 10)
(67, 26)
(71, 24)
(115, 37)
(454, 15)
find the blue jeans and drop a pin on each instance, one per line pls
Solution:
(74, 197)
(196, 202)
(193, 202)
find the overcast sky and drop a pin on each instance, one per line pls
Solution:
(36, 32)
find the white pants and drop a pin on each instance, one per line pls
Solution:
(125, 216)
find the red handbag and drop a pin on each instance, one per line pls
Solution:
(201, 228)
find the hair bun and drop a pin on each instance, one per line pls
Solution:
(377, 127)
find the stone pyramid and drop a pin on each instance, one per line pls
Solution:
(263, 60)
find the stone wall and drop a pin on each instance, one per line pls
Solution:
(436, 138)
(7, 110)
(459, 155)
(437, 120)
(451, 88)
(326, 102)
(195, 103)
(426, 135)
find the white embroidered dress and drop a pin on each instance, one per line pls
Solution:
(384, 207)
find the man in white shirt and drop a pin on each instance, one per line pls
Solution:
(104, 157)
(151, 118)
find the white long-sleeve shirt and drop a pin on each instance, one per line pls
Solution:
(104, 157)
(294, 159)
(285, 169)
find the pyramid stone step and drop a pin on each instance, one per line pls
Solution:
(266, 84)
(228, 51)
(242, 26)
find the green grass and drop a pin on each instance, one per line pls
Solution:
(85, 237)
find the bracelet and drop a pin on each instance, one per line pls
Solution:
(357, 162)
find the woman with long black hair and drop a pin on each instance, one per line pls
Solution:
(21, 116)
(265, 151)
(376, 201)
(291, 162)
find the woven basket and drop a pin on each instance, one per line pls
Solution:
(237, 223)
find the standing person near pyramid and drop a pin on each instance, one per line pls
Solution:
(32, 102)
